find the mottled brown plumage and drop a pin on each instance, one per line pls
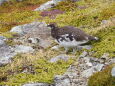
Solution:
(69, 36)
(78, 34)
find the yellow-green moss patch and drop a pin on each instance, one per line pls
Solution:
(106, 42)
(102, 78)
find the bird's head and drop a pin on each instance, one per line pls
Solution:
(52, 25)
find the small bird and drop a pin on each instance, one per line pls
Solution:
(69, 36)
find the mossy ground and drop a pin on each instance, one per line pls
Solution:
(41, 69)
(88, 18)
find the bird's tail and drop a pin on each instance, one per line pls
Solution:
(93, 38)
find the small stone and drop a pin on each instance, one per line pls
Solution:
(104, 22)
(84, 53)
(6, 53)
(113, 72)
(88, 47)
(23, 49)
(33, 40)
(17, 29)
(62, 80)
(89, 64)
(2, 1)
(87, 73)
(59, 57)
(45, 6)
(55, 47)
(104, 57)
(98, 67)
(37, 84)
(2, 42)
(92, 59)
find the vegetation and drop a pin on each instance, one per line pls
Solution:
(85, 14)
(38, 69)
(102, 78)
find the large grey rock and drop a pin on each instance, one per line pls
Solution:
(59, 57)
(35, 32)
(113, 72)
(2, 1)
(23, 29)
(23, 49)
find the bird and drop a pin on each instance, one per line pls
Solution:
(69, 36)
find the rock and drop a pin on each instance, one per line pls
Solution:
(37, 84)
(58, 0)
(71, 75)
(6, 53)
(104, 58)
(92, 59)
(44, 43)
(113, 72)
(19, 0)
(87, 73)
(23, 49)
(59, 57)
(45, 6)
(33, 40)
(62, 80)
(104, 22)
(2, 1)
(35, 29)
(35, 32)
(48, 4)
(52, 13)
(2, 40)
(23, 29)
(98, 67)
(88, 47)
(55, 47)
(17, 29)
(89, 64)
(86, 59)
(84, 53)
(75, 0)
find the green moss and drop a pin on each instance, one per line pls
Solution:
(66, 6)
(44, 72)
(106, 43)
(8, 34)
(15, 13)
(16, 18)
(88, 17)
(102, 78)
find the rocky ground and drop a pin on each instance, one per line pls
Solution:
(35, 37)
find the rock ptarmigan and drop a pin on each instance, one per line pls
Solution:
(69, 36)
